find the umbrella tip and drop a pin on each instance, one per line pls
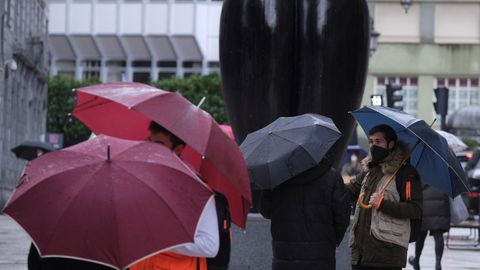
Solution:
(201, 102)
(108, 153)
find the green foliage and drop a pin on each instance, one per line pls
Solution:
(61, 100)
(471, 143)
(194, 88)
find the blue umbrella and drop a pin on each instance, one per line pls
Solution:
(430, 154)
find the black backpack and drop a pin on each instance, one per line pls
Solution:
(224, 227)
(415, 223)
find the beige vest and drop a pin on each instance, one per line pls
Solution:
(384, 227)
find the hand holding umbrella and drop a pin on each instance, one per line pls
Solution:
(429, 151)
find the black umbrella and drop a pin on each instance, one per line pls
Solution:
(287, 147)
(28, 149)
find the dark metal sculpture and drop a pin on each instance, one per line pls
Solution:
(289, 57)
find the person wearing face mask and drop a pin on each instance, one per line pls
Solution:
(380, 232)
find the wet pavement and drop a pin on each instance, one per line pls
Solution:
(14, 244)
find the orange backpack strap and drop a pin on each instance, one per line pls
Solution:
(408, 190)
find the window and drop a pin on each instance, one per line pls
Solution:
(91, 69)
(115, 76)
(192, 64)
(68, 74)
(166, 75)
(167, 64)
(91, 75)
(116, 64)
(141, 77)
(91, 64)
(141, 64)
(189, 74)
(214, 64)
(409, 89)
(463, 92)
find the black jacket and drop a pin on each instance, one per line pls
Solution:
(309, 215)
(436, 210)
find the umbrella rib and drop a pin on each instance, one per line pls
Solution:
(74, 197)
(93, 103)
(62, 172)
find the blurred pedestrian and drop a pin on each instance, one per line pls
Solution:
(380, 232)
(436, 221)
(309, 215)
(353, 166)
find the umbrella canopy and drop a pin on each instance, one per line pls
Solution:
(28, 149)
(430, 154)
(465, 118)
(453, 141)
(287, 147)
(192, 156)
(125, 110)
(109, 201)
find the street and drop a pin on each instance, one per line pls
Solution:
(14, 244)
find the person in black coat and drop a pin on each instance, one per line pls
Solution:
(436, 220)
(309, 215)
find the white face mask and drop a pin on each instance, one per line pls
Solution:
(353, 158)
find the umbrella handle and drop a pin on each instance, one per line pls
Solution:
(360, 201)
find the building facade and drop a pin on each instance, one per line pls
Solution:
(23, 82)
(133, 40)
(437, 43)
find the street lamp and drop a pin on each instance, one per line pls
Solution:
(406, 4)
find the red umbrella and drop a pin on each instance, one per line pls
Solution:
(192, 156)
(109, 201)
(124, 110)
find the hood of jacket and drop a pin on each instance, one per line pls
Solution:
(392, 162)
(311, 174)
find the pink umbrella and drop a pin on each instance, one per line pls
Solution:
(124, 110)
(109, 201)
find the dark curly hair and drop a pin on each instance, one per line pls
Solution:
(154, 127)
